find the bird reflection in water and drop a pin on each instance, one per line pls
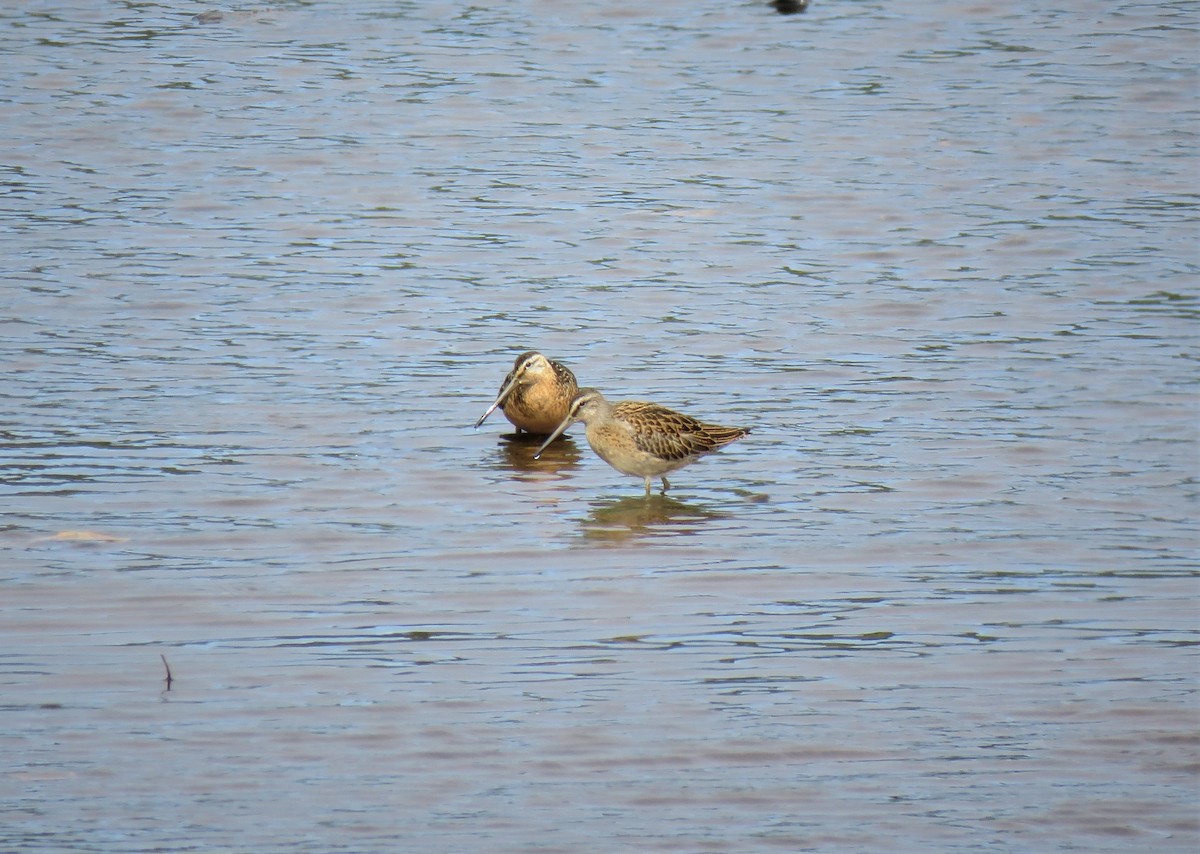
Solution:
(516, 452)
(645, 516)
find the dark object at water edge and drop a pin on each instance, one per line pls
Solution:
(789, 7)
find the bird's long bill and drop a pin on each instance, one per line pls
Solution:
(504, 392)
(567, 422)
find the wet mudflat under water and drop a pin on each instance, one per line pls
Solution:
(263, 273)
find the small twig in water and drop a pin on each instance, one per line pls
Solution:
(170, 678)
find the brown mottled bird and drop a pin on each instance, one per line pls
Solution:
(536, 394)
(643, 439)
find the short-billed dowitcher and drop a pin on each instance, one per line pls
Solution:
(536, 394)
(643, 439)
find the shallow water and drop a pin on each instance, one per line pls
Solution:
(263, 274)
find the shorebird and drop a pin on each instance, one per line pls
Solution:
(536, 394)
(643, 439)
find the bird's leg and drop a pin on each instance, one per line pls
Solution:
(666, 485)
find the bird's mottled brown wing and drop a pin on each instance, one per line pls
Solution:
(565, 378)
(671, 435)
(721, 436)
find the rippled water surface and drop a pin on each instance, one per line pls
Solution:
(264, 270)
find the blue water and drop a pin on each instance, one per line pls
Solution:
(263, 275)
